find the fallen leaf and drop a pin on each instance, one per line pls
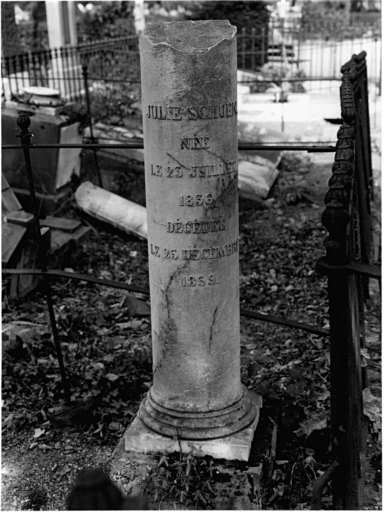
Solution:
(112, 377)
(38, 432)
(45, 447)
(372, 408)
(311, 424)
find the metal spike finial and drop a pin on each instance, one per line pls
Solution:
(23, 121)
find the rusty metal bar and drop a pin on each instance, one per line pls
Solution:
(312, 329)
(363, 269)
(76, 277)
(253, 33)
(263, 50)
(346, 309)
(243, 35)
(88, 101)
(140, 145)
(23, 123)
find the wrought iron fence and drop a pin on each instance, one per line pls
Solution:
(292, 55)
(347, 265)
(107, 60)
(25, 136)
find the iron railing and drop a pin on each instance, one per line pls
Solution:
(293, 56)
(347, 265)
(23, 123)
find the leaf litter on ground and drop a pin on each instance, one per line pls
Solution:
(108, 358)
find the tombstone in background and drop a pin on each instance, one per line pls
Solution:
(188, 72)
(138, 13)
(61, 23)
(62, 34)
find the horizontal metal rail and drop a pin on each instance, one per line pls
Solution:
(244, 82)
(312, 329)
(363, 269)
(140, 145)
(78, 277)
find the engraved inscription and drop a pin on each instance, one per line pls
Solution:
(155, 250)
(196, 200)
(174, 172)
(197, 171)
(207, 171)
(191, 112)
(170, 254)
(208, 253)
(211, 253)
(156, 170)
(196, 227)
(193, 281)
(194, 142)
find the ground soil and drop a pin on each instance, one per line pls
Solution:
(281, 240)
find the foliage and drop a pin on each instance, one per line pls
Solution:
(244, 15)
(329, 19)
(107, 352)
(282, 75)
(33, 34)
(9, 30)
(183, 479)
(107, 356)
(112, 99)
(106, 20)
(241, 14)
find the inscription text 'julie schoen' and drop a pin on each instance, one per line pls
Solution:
(191, 112)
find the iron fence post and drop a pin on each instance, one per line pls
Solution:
(23, 123)
(253, 50)
(345, 327)
(85, 76)
(243, 43)
(263, 51)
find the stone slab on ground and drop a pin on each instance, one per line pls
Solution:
(236, 485)
(48, 204)
(109, 134)
(256, 180)
(139, 438)
(113, 209)
(9, 201)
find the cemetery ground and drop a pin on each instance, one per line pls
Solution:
(106, 342)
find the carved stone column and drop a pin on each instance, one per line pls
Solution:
(188, 72)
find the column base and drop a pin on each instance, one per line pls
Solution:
(198, 425)
(139, 438)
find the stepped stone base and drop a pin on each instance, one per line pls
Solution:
(141, 439)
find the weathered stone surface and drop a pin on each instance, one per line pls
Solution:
(256, 180)
(141, 439)
(190, 131)
(111, 208)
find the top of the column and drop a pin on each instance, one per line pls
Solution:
(190, 36)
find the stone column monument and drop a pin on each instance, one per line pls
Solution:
(188, 73)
